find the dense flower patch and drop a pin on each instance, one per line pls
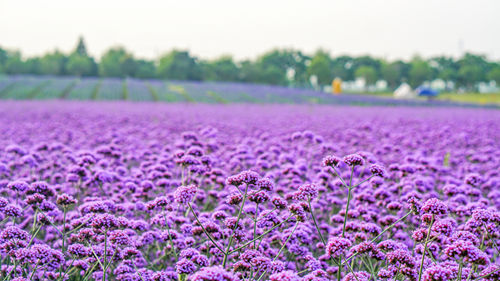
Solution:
(195, 192)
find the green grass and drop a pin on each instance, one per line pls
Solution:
(217, 97)
(125, 94)
(153, 92)
(475, 98)
(181, 91)
(95, 91)
(493, 98)
(65, 92)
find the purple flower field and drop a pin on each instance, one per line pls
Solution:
(155, 192)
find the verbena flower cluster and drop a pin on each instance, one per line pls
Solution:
(207, 193)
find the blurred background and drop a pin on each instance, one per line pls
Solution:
(257, 51)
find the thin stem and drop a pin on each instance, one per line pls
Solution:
(360, 183)
(385, 230)
(282, 247)
(488, 275)
(425, 250)
(460, 266)
(346, 211)
(315, 223)
(260, 236)
(169, 236)
(105, 254)
(340, 177)
(234, 228)
(255, 225)
(51, 223)
(64, 230)
(204, 230)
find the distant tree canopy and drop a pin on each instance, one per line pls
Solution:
(277, 67)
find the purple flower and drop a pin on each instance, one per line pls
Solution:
(439, 273)
(213, 273)
(360, 276)
(307, 192)
(331, 161)
(435, 207)
(337, 246)
(185, 266)
(185, 194)
(284, 276)
(377, 170)
(18, 186)
(353, 160)
(466, 250)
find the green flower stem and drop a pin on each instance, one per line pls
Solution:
(385, 230)
(281, 249)
(315, 223)
(204, 230)
(234, 228)
(260, 236)
(425, 250)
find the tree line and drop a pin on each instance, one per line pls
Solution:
(276, 67)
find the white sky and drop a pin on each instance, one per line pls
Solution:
(210, 28)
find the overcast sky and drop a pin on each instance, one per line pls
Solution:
(244, 29)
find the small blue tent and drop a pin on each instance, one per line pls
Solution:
(426, 91)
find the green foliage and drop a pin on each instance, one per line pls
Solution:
(221, 69)
(179, 65)
(494, 74)
(80, 65)
(392, 73)
(117, 62)
(320, 66)
(420, 71)
(81, 49)
(53, 63)
(276, 67)
(145, 69)
(368, 73)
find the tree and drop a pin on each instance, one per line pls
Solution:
(368, 73)
(420, 71)
(179, 65)
(494, 74)
(446, 68)
(221, 69)
(80, 65)
(3, 59)
(145, 69)
(320, 66)
(117, 62)
(287, 61)
(473, 69)
(391, 72)
(81, 49)
(53, 63)
(342, 67)
(14, 63)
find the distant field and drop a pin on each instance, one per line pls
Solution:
(474, 98)
(74, 88)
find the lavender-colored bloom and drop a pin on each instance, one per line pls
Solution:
(213, 273)
(360, 276)
(337, 246)
(466, 250)
(331, 161)
(377, 170)
(284, 276)
(434, 206)
(18, 186)
(185, 266)
(353, 160)
(185, 194)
